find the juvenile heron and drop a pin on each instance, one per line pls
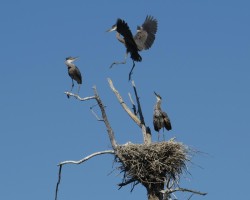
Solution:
(143, 39)
(74, 72)
(160, 118)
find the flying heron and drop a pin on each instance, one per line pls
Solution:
(143, 39)
(74, 72)
(160, 118)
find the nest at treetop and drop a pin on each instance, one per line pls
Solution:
(153, 163)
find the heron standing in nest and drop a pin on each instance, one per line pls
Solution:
(143, 39)
(160, 118)
(74, 72)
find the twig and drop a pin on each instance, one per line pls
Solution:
(125, 107)
(78, 97)
(133, 186)
(59, 180)
(182, 190)
(126, 183)
(133, 104)
(191, 196)
(77, 162)
(93, 112)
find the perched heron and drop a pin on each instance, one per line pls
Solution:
(143, 39)
(160, 118)
(74, 72)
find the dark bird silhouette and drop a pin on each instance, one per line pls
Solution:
(160, 118)
(143, 39)
(74, 72)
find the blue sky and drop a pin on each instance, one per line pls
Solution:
(199, 64)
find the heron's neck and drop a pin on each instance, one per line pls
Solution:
(158, 105)
(118, 36)
(69, 64)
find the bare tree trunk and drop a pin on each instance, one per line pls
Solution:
(154, 194)
(154, 191)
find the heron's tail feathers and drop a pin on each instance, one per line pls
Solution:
(136, 56)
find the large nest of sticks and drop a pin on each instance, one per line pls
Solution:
(152, 164)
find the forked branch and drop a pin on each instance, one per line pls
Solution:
(109, 130)
(77, 162)
(125, 107)
(140, 122)
(78, 97)
(102, 108)
(146, 132)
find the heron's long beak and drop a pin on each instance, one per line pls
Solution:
(75, 58)
(156, 94)
(112, 29)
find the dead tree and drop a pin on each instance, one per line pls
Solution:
(157, 166)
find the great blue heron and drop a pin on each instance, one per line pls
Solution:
(160, 118)
(143, 39)
(74, 72)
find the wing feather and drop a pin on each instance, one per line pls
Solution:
(123, 29)
(167, 123)
(78, 76)
(145, 36)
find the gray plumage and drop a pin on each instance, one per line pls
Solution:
(73, 72)
(145, 35)
(143, 39)
(160, 118)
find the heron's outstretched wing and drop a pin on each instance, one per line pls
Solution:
(167, 123)
(145, 35)
(123, 29)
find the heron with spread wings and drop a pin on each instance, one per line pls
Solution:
(143, 39)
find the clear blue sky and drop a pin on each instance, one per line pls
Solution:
(199, 63)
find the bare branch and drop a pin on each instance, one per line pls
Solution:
(191, 196)
(169, 191)
(105, 119)
(145, 130)
(93, 112)
(77, 162)
(126, 183)
(78, 97)
(188, 190)
(138, 104)
(59, 180)
(86, 158)
(125, 107)
(102, 108)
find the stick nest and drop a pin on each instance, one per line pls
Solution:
(150, 164)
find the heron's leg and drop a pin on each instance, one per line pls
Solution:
(131, 71)
(79, 85)
(72, 85)
(163, 136)
(117, 63)
(158, 136)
